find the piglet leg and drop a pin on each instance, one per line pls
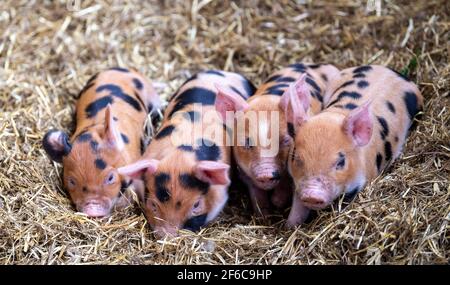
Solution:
(298, 214)
(260, 201)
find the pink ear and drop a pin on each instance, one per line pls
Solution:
(228, 100)
(295, 102)
(136, 169)
(215, 173)
(112, 134)
(358, 125)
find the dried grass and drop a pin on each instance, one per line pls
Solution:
(48, 51)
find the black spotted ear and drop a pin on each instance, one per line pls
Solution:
(56, 144)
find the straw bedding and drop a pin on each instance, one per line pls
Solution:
(48, 49)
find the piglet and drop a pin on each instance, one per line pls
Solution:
(261, 158)
(361, 131)
(110, 115)
(185, 168)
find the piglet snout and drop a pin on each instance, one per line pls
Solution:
(95, 209)
(166, 231)
(314, 195)
(266, 175)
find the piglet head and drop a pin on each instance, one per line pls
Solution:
(264, 171)
(180, 193)
(261, 145)
(260, 140)
(90, 164)
(325, 160)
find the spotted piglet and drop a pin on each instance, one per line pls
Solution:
(110, 115)
(361, 131)
(186, 166)
(261, 159)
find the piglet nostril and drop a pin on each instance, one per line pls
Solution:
(275, 176)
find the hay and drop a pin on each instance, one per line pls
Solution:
(48, 50)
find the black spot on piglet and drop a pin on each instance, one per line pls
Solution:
(193, 116)
(390, 107)
(379, 160)
(384, 126)
(121, 69)
(117, 91)
(207, 150)
(191, 182)
(359, 75)
(388, 151)
(94, 107)
(285, 79)
(100, 163)
(84, 137)
(186, 147)
(215, 72)
(362, 69)
(138, 84)
(125, 138)
(363, 84)
(411, 104)
(162, 193)
(350, 106)
(298, 67)
(191, 96)
(167, 131)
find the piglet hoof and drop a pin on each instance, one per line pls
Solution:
(291, 225)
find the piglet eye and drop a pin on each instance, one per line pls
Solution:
(71, 182)
(110, 179)
(286, 141)
(197, 208)
(340, 162)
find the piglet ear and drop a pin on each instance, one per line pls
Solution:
(56, 144)
(228, 100)
(135, 170)
(358, 125)
(295, 102)
(112, 134)
(212, 172)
